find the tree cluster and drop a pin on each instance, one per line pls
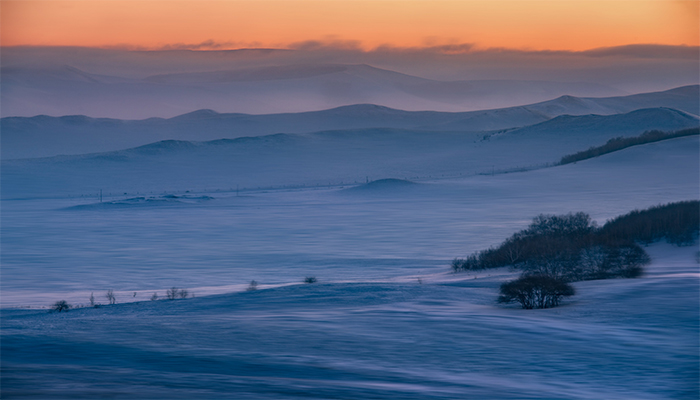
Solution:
(174, 293)
(569, 248)
(676, 222)
(620, 143)
(572, 247)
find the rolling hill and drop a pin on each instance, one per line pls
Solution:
(42, 136)
(322, 158)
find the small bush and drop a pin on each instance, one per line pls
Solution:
(310, 279)
(535, 291)
(253, 286)
(92, 299)
(183, 293)
(61, 305)
(154, 297)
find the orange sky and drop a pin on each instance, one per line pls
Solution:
(520, 24)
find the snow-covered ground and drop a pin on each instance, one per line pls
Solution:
(386, 319)
(146, 243)
(616, 339)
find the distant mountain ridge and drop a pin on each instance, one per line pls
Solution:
(67, 90)
(42, 136)
(627, 124)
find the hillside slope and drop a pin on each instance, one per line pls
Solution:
(322, 158)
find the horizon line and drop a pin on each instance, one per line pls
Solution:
(313, 46)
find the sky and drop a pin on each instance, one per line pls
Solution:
(99, 57)
(572, 25)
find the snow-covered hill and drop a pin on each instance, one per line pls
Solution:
(43, 136)
(322, 158)
(386, 319)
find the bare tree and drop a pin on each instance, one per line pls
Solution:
(171, 293)
(110, 297)
(92, 299)
(253, 286)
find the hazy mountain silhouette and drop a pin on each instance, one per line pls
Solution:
(42, 136)
(292, 88)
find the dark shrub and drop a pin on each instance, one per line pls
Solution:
(470, 263)
(253, 286)
(595, 262)
(310, 279)
(562, 266)
(61, 305)
(535, 291)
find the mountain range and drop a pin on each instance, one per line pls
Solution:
(29, 91)
(43, 136)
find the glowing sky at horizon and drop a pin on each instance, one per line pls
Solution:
(521, 24)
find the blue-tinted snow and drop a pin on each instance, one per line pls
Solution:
(386, 319)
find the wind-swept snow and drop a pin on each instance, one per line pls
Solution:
(618, 339)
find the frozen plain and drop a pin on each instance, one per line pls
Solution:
(368, 329)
